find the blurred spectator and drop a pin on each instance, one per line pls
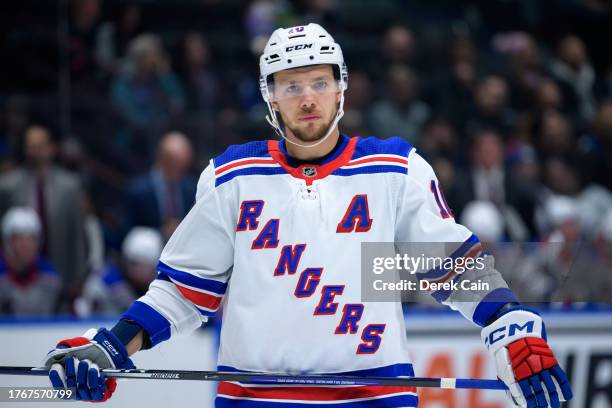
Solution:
(201, 83)
(94, 236)
(402, 113)
(398, 48)
(440, 140)
(523, 163)
(545, 271)
(561, 214)
(462, 47)
(604, 88)
(527, 70)
(446, 173)
(574, 72)
(597, 163)
(29, 284)
(487, 180)
(357, 104)
(581, 272)
(457, 79)
(601, 281)
(554, 135)
(146, 94)
(561, 177)
(605, 229)
(112, 289)
(399, 45)
(101, 181)
(261, 18)
(16, 117)
(56, 195)
(548, 96)
(562, 258)
(591, 200)
(491, 109)
(113, 36)
(204, 91)
(360, 96)
(81, 44)
(484, 220)
(323, 12)
(162, 197)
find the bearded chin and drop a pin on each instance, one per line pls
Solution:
(310, 135)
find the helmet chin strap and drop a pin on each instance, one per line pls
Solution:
(273, 121)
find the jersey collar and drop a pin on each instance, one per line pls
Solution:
(313, 171)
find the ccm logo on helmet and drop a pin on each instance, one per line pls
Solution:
(298, 47)
(511, 330)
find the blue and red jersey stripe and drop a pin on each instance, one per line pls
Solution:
(233, 394)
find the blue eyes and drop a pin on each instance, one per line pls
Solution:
(293, 89)
(320, 86)
(296, 90)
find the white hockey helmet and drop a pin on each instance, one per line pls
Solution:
(21, 220)
(561, 209)
(483, 219)
(142, 245)
(296, 47)
(606, 226)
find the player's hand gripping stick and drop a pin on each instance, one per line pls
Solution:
(76, 363)
(524, 361)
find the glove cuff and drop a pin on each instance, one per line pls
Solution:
(114, 349)
(512, 325)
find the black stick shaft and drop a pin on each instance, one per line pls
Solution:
(280, 379)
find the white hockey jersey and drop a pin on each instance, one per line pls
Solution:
(277, 247)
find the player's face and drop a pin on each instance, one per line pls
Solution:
(25, 248)
(307, 100)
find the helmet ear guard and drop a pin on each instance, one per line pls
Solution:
(297, 47)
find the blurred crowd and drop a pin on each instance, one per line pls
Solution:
(109, 110)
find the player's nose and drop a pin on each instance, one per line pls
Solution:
(308, 97)
(308, 103)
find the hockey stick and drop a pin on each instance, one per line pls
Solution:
(281, 379)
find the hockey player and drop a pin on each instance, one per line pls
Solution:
(113, 289)
(29, 284)
(275, 237)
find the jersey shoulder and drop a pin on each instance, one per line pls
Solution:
(253, 149)
(372, 145)
(419, 168)
(230, 163)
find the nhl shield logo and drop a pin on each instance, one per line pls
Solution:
(309, 171)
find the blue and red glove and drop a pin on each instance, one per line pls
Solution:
(76, 363)
(524, 361)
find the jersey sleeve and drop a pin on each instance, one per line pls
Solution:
(424, 217)
(194, 268)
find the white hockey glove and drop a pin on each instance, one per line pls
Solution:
(524, 361)
(75, 363)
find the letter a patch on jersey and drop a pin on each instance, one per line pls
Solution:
(357, 216)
